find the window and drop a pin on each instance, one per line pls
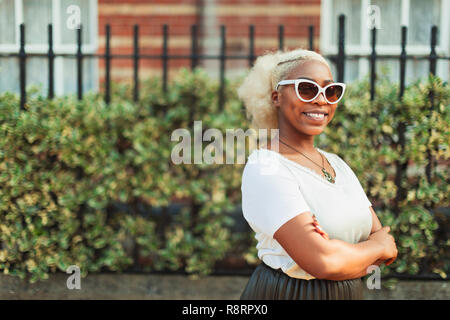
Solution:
(36, 15)
(418, 15)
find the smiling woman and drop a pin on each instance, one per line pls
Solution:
(317, 232)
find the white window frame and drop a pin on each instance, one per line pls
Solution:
(328, 48)
(58, 47)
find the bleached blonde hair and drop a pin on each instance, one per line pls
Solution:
(268, 70)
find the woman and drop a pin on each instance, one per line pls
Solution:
(316, 229)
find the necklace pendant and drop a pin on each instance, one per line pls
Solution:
(328, 176)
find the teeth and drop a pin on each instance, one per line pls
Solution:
(316, 115)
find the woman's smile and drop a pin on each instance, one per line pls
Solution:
(318, 118)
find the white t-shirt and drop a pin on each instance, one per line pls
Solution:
(276, 189)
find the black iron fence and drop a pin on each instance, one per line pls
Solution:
(338, 59)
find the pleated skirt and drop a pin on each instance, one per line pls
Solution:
(267, 283)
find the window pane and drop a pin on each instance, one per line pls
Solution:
(69, 36)
(9, 74)
(422, 16)
(37, 14)
(7, 22)
(442, 69)
(416, 69)
(351, 70)
(389, 67)
(390, 13)
(352, 11)
(70, 75)
(37, 73)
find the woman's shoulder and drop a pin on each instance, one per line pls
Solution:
(338, 161)
(328, 153)
(264, 162)
(261, 156)
(341, 163)
(333, 156)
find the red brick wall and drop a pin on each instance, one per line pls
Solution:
(236, 15)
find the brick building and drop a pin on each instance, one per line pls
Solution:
(209, 15)
(265, 15)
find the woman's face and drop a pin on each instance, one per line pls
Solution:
(292, 110)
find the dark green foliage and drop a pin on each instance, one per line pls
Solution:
(80, 181)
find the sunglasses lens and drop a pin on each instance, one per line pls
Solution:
(307, 90)
(333, 93)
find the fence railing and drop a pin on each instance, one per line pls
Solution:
(338, 59)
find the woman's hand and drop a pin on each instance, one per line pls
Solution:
(318, 228)
(383, 237)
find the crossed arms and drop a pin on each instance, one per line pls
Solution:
(334, 259)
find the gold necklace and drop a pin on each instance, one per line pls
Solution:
(327, 175)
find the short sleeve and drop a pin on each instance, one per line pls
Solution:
(354, 179)
(270, 198)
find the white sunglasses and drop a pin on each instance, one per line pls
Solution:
(308, 90)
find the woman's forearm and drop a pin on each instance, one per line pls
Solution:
(358, 274)
(350, 261)
(344, 270)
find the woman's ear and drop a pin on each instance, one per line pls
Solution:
(276, 98)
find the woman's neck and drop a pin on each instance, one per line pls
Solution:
(296, 139)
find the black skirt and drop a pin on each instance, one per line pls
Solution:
(267, 283)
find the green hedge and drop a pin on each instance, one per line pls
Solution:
(81, 182)
(386, 143)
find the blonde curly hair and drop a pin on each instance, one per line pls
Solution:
(268, 70)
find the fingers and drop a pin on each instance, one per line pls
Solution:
(393, 258)
(389, 261)
(323, 234)
(318, 229)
